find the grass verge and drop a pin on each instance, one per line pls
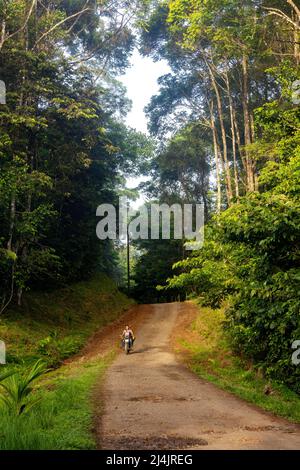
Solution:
(55, 325)
(207, 351)
(63, 419)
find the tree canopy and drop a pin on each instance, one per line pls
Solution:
(224, 131)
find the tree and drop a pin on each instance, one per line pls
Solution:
(218, 59)
(59, 140)
(251, 252)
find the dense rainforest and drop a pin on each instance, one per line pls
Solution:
(229, 119)
(224, 131)
(64, 147)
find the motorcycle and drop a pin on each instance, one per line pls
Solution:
(127, 343)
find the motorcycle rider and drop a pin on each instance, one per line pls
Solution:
(128, 333)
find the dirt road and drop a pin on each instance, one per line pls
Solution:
(154, 402)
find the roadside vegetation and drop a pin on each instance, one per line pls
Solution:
(44, 404)
(224, 132)
(63, 418)
(54, 325)
(231, 104)
(207, 350)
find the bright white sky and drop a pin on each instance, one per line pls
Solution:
(141, 83)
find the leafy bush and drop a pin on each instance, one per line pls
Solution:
(251, 256)
(56, 350)
(63, 419)
(5, 375)
(17, 389)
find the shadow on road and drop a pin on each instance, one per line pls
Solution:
(142, 350)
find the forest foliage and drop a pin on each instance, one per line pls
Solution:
(234, 71)
(64, 147)
(226, 126)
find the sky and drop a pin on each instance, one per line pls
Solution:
(141, 83)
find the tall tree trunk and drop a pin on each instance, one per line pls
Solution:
(12, 220)
(238, 138)
(296, 40)
(3, 33)
(247, 124)
(241, 150)
(233, 135)
(216, 153)
(23, 102)
(223, 133)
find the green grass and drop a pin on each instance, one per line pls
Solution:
(209, 355)
(63, 419)
(55, 325)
